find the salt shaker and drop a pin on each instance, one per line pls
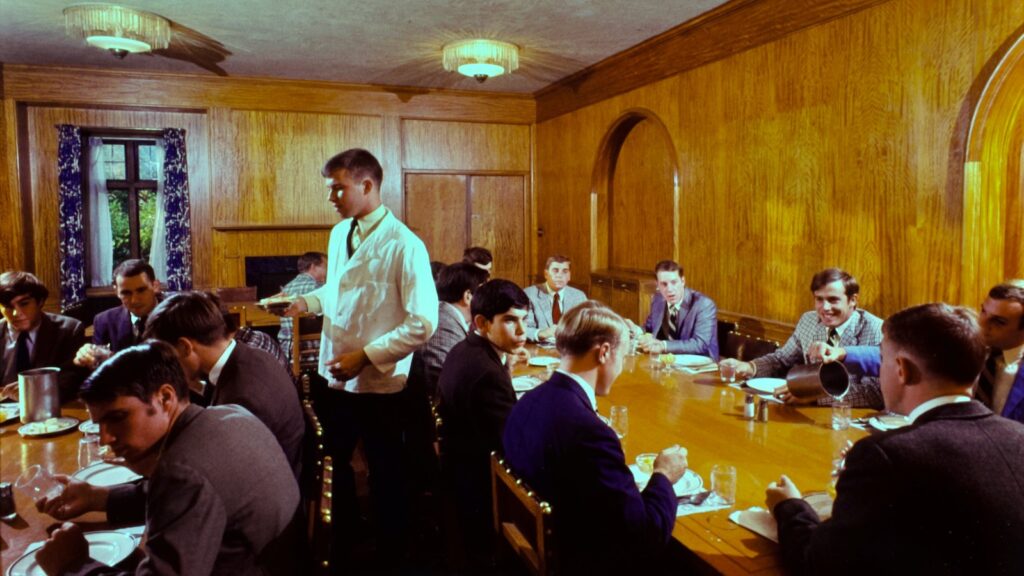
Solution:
(748, 407)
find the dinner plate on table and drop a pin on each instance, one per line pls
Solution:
(525, 383)
(9, 412)
(692, 360)
(543, 361)
(106, 547)
(48, 427)
(888, 422)
(691, 482)
(765, 385)
(104, 474)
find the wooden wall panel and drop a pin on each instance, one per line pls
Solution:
(12, 254)
(230, 247)
(428, 144)
(42, 151)
(268, 163)
(435, 209)
(498, 206)
(829, 147)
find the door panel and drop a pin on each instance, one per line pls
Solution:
(435, 209)
(498, 223)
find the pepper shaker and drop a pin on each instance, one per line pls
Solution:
(762, 410)
(8, 511)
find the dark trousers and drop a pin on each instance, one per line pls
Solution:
(379, 421)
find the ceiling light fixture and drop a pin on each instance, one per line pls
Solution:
(117, 29)
(480, 58)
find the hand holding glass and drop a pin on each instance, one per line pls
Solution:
(620, 421)
(37, 483)
(727, 370)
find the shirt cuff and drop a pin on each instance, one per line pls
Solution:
(313, 305)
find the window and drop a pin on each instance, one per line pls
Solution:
(131, 167)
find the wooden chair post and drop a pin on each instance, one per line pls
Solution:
(522, 519)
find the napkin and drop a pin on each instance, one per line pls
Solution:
(687, 509)
(757, 520)
(698, 369)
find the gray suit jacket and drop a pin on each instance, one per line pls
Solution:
(541, 302)
(57, 340)
(450, 331)
(865, 329)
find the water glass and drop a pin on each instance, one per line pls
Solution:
(841, 413)
(37, 483)
(727, 370)
(723, 484)
(620, 421)
(89, 450)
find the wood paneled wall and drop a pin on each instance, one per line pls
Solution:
(255, 151)
(833, 146)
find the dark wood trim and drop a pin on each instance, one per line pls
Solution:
(25, 186)
(732, 28)
(269, 227)
(761, 327)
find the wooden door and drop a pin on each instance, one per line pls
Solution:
(497, 223)
(435, 209)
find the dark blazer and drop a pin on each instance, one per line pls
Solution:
(1014, 407)
(603, 524)
(697, 328)
(113, 327)
(254, 379)
(57, 341)
(942, 496)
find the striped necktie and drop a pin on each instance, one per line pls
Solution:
(833, 337)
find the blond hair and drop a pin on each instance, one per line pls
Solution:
(587, 325)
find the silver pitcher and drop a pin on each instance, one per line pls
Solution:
(39, 394)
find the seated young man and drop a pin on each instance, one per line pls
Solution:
(235, 373)
(221, 496)
(558, 445)
(312, 275)
(550, 299)
(941, 496)
(682, 320)
(33, 338)
(476, 395)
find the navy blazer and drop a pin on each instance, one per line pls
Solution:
(1014, 407)
(556, 443)
(941, 496)
(696, 331)
(113, 327)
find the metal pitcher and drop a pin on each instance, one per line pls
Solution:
(817, 380)
(39, 394)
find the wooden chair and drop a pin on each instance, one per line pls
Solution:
(746, 347)
(306, 331)
(522, 519)
(724, 329)
(317, 480)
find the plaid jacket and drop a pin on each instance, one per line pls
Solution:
(865, 329)
(301, 284)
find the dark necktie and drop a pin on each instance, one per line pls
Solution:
(348, 242)
(987, 380)
(140, 327)
(22, 360)
(833, 337)
(556, 310)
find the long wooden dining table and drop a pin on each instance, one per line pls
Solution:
(705, 416)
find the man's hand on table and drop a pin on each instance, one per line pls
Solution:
(546, 334)
(91, 355)
(651, 345)
(743, 370)
(77, 498)
(784, 489)
(66, 549)
(518, 356)
(348, 365)
(671, 463)
(820, 352)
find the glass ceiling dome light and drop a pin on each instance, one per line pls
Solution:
(480, 58)
(118, 29)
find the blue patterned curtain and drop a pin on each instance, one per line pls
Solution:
(176, 206)
(72, 233)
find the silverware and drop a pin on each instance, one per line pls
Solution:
(695, 499)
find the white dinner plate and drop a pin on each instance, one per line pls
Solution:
(524, 383)
(888, 422)
(89, 427)
(105, 474)
(9, 412)
(106, 547)
(544, 361)
(690, 483)
(765, 385)
(48, 427)
(692, 360)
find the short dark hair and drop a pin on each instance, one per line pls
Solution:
(830, 275)
(496, 297)
(134, 267)
(435, 269)
(668, 266)
(310, 259)
(587, 325)
(187, 315)
(359, 164)
(455, 279)
(946, 339)
(1010, 290)
(15, 283)
(556, 258)
(477, 255)
(230, 318)
(137, 371)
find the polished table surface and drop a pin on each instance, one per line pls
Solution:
(706, 418)
(58, 455)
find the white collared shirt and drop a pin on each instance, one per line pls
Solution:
(935, 403)
(587, 388)
(842, 327)
(1006, 371)
(216, 370)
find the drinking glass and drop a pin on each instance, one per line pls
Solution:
(89, 450)
(841, 413)
(620, 421)
(723, 484)
(727, 370)
(37, 483)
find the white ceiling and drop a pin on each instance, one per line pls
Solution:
(388, 42)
